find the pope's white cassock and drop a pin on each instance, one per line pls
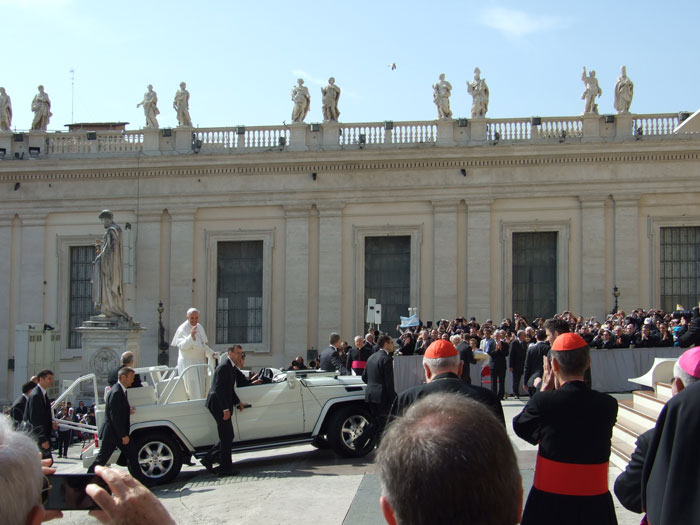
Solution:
(192, 352)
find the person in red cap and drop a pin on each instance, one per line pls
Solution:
(443, 370)
(671, 473)
(628, 485)
(573, 427)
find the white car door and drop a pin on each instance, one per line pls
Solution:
(276, 410)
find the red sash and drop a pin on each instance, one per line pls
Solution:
(359, 364)
(570, 479)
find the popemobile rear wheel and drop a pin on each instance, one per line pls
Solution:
(159, 459)
(345, 426)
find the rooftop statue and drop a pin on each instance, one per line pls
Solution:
(441, 97)
(302, 101)
(331, 95)
(150, 107)
(480, 93)
(590, 93)
(624, 91)
(182, 106)
(5, 110)
(41, 106)
(107, 284)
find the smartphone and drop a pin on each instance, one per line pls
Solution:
(67, 491)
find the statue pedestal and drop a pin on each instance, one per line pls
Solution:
(6, 144)
(297, 136)
(624, 126)
(104, 339)
(37, 139)
(331, 134)
(477, 127)
(183, 139)
(446, 132)
(151, 140)
(591, 127)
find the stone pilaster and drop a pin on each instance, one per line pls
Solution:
(445, 259)
(626, 246)
(593, 261)
(329, 270)
(6, 395)
(479, 257)
(296, 281)
(31, 272)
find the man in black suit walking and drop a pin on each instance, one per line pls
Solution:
(516, 362)
(380, 392)
(20, 404)
(115, 430)
(38, 414)
(220, 401)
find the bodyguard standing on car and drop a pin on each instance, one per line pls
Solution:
(222, 396)
(114, 432)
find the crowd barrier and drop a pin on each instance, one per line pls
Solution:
(610, 369)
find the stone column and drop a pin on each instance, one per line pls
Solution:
(144, 307)
(479, 258)
(6, 280)
(626, 246)
(182, 255)
(296, 281)
(593, 260)
(329, 270)
(445, 259)
(446, 132)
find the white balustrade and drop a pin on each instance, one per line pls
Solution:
(658, 124)
(560, 127)
(415, 132)
(509, 129)
(67, 143)
(373, 132)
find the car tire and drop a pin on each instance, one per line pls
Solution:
(344, 427)
(159, 459)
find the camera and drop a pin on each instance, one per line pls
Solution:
(687, 314)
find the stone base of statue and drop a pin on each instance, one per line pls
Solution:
(624, 126)
(297, 136)
(478, 129)
(591, 127)
(104, 339)
(445, 132)
(331, 132)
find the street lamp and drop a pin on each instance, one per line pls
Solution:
(616, 295)
(163, 346)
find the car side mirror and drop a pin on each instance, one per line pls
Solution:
(292, 379)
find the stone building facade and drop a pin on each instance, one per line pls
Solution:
(280, 234)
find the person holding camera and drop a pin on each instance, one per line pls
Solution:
(689, 334)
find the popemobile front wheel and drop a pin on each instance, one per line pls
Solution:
(159, 459)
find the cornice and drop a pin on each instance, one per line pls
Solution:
(452, 158)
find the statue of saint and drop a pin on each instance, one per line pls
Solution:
(41, 106)
(624, 91)
(591, 92)
(182, 106)
(302, 101)
(150, 107)
(441, 96)
(107, 285)
(480, 95)
(5, 110)
(331, 95)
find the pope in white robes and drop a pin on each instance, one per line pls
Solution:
(191, 341)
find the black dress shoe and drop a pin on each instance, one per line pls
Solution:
(226, 473)
(208, 464)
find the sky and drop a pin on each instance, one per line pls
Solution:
(240, 59)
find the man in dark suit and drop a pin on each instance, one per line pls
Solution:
(238, 364)
(220, 401)
(533, 361)
(127, 360)
(498, 353)
(330, 359)
(358, 356)
(115, 430)
(20, 404)
(443, 366)
(516, 360)
(37, 413)
(466, 355)
(380, 392)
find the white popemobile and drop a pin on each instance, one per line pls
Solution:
(295, 407)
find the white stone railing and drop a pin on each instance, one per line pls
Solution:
(658, 124)
(329, 136)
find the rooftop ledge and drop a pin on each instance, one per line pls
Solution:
(337, 136)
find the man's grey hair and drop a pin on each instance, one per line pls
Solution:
(191, 311)
(684, 376)
(127, 358)
(456, 339)
(437, 364)
(455, 454)
(21, 479)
